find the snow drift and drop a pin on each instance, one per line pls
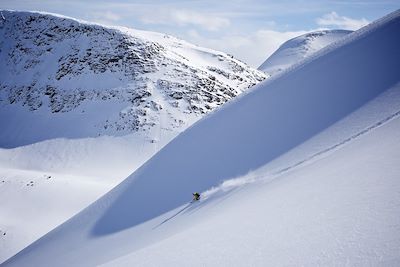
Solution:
(247, 134)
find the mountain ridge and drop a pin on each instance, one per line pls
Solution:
(56, 65)
(246, 135)
(299, 48)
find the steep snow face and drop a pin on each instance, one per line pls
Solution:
(344, 85)
(102, 80)
(298, 48)
(82, 106)
(341, 209)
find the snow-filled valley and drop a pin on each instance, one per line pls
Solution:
(302, 169)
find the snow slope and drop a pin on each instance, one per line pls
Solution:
(34, 202)
(80, 171)
(298, 48)
(341, 210)
(87, 105)
(328, 128)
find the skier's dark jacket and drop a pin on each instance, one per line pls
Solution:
(196, 196)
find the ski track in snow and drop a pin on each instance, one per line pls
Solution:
(231, 185)
(92, 101)
(186, 207)
(305, 217)
(338, 236)
(338, 145)
(219, 193)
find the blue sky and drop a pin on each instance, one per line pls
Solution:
(249, 30)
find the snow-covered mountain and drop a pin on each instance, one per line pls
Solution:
(298, 48)
(302, 170)
(83, 105)
(110, 81)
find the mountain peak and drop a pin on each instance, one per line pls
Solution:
(58, 65)
(298, 48)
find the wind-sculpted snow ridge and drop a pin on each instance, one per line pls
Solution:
(246, 135)
(299, 48)
(262, 176)
(87, 105)
(111, 80)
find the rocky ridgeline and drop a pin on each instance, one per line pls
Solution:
(57, 64)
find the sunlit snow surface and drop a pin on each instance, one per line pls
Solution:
(86, 105)
(299, 48)
(314, 156)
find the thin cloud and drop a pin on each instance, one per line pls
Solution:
(334, 20)
(111, 16)
(183, 17)
(253, 48)
(106, 15)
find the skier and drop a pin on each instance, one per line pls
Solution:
(196, 196)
